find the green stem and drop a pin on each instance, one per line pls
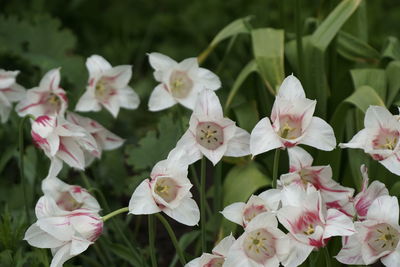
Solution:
(116, 212)
(173, 238)
(299, 39)
(327, 257)
(203, 205)
(151, 226)
(197, 185)
(217, 187)
(276, 166)
(21, 163)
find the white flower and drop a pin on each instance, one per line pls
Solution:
(261, 245)
(302, 173)
(377, 236)
(46, 99)
(68, 221)
(242, 213)
(212, 135)
(63, 141)
(105, 139)
(379, 138)
(167, 191)
(179, 82)
(309, 224)
(107, 87)
(217, 258)
(363, 200)
(292, 123)
(10, 92)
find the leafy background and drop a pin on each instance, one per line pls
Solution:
(350, 59)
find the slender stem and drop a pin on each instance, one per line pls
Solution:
(152, 235)
(217, 187)
(197, 185)
(276, 166)
(21, 164)
(173, 238)
(299, 39)
(203, 205)
(116, 212)
(327, 257)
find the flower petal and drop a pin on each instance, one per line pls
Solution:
(186, 213)
(79, 245)
(380, 117)
(61, 255)
(88, 102)
(38, 238)
(234, 212)
(320, 135)
(208, 105)
(58, 227)
(351, 251)
(298, 158)
(160, 62)
(71, 153)
(338, 224)
(128, 98)
(160, 99)
(209, 79)
(142, 201)
(239, 145)
(96, 65)
(118, 76)
(263, 138)
(50, 80)
(384, 209)
(299, 252)
(391, 260)
(223, 246)
(392, 163)
(291, 88)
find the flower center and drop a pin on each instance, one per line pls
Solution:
(386, 139)
(259, 245)
(209, 135)
(166, 188)
(290, 127)
(180, 84)
(383, 237)
(103, 90)
(252, 211)
(309, 230)
(68, 202)
(216, 262)
(53, 102)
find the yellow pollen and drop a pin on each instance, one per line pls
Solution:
(310, 230)
(390, 144)
(177, 84)
(162, 188)
(53, 99)
(286, 129)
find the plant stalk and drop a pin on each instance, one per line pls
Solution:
(203, 205)
(116, 212)
(327, 257)
(299, 39)
(276, 167)
(152, 235)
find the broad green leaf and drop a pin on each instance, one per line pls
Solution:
(392, 48)
(247, 115)
(395, 190)
(155, 146)
(375, 78)
(246, 71)
(268, 49)
(124, 253)
(30, 160)
(242, 181)
(234, 28)
(393, 80)
(328, 29)
(356, 49)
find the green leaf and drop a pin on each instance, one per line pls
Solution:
(234, 28)
(393, 80)
(185, 241)
(356, 49)
(375, 78)
(242, 181)
(246, 71)
(328, 29)
(395, 190)
(155, 146)
(30, 159)
(392, 48)
(247, 115)
(268, 49)
(123, 252)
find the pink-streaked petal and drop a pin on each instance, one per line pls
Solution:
(96, 65)
(263, 138)
(208, 105)
(298, 158)
(71, 153)
(118, 76)
(112, 105)
(50, 80)
(186, 213)
(160, 99)
(338, 224)
(272, 197)
(44, 126)
(291, 88)
(351, 251)
(160, 62)
(239, 145)
(142, 201)
(88, 102)
(263, 220)
(38, 238)
(194, 263)
(320, 135)
(58, 227)
(223, 246)
(15, 93)
(384, 209)
(209, 79)
(128, 98)
(234, 212)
